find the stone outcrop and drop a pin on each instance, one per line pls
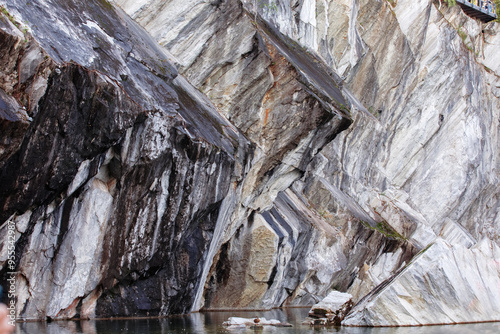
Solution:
(418, 162)
(250, 154)
(115, 162)
(290, 106)
(331, 310)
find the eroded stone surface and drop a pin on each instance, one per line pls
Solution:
(263, 191)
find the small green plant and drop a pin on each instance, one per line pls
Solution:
(9, 16)
(271, 6)
(106, 4)
(344, 109)
(384, 228)
(14, 22)
(462, 34)
(418, 254)
(497, 4)
(451, 3)
(325, 214)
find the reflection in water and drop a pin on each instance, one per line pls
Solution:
(211, 323)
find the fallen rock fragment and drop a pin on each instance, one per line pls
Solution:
(331, 310)
(236, 322)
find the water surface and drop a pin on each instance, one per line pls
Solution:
(211, 323)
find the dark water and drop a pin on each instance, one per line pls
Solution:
(211, 323)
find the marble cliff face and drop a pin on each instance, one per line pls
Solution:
(161, 157)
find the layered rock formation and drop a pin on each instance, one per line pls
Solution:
(262, 154)
(116, 161)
